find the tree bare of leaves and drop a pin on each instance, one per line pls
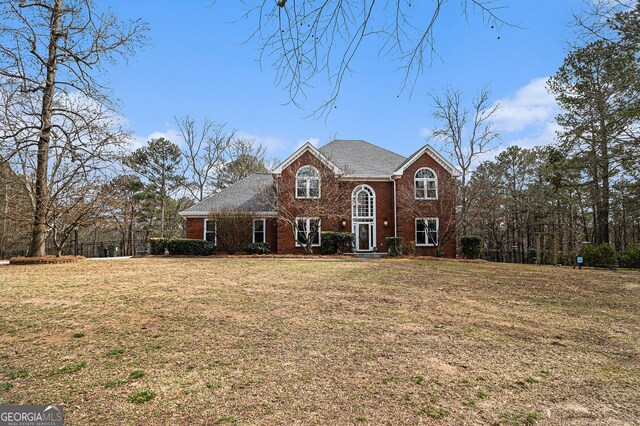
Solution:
(309, 39)
(234, 227)
(444, 208)
(52, 49)
(333, 203)
(83, 146)
(206, 150)
(467, 134)
(80, 205)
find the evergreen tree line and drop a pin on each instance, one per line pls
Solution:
(584, 188)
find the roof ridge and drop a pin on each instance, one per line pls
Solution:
(367, 142)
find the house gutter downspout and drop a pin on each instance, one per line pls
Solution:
(395, 210)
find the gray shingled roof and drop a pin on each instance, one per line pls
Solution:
(247, 193)
(362, 159)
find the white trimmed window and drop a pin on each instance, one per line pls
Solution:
(304, 227)
(259, 230)
(427, 231)
(210, 230)
(426, 184)
(308, 182)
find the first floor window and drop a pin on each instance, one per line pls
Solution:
(259, 231)
(305, 231)
(427, 232)
(210, 230)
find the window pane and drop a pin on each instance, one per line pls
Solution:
(258, 237)
(210, 225)
(301, 188)
(433, 232)
(425, 173)
(431, 189)
(421, 238)
(258, 225)
(301, 231)
(210, 236)
(316, 237)
(314, 188)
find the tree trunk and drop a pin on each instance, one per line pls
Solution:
(603, 214)
(39, 228)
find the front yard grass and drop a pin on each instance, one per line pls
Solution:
(192, 341)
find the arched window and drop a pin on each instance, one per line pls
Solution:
(362, 203)
(308, 182)
(426, 184)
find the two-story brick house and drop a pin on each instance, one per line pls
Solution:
(385, 195)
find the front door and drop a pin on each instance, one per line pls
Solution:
(363, 237)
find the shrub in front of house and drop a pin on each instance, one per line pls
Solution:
(630, 257)
(337, 242)
(394, 246)
(257, 248)
(157, 246)
(600, 256)
(185, 246)
(471, 246)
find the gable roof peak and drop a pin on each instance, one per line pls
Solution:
(434, 154)
(307, 147)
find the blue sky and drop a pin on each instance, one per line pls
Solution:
(197, 64)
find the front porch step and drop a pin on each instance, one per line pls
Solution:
(369, 255)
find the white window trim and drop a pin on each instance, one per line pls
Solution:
(308, 219)
(369, 220)
(308, 185)
(425, 180)
(215, 231)
(425, 219)
(264, 231)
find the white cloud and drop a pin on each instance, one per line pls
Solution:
(531, 105)
(545, 136)
(426, 132)
(173, 135)
(272, 144)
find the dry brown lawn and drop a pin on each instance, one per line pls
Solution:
(234, 341)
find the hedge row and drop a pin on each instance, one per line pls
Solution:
(604, 256)
(337, 242)
(181, 246)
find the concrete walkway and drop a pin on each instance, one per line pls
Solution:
(6, 262)
(110, 258)
(264, 259)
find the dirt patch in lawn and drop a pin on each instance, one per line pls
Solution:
(406, 341)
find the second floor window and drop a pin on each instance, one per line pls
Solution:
(426, 184)
(308, 182)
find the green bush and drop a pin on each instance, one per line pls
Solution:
(471, 246)
(185, 246)
(602, 256)
(337, 242)
(157, 246)
(394, 245)
(630, 258)
(257, 248)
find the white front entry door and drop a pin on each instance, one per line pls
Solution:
(364, 236)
